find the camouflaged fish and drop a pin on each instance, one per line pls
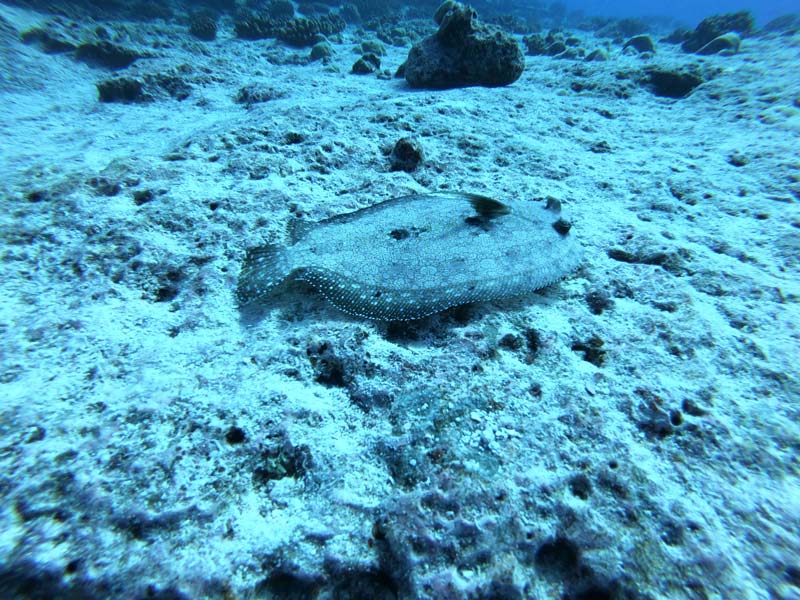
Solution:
(409, 257)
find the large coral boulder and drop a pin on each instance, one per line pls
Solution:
(717, 25)
(463, 52)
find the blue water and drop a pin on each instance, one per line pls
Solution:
(687, 12)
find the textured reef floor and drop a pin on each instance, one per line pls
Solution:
(630, 432)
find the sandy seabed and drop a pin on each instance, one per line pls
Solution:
(631, 432)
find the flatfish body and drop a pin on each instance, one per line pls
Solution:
(416, 255)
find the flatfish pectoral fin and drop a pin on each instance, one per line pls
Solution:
(487, 208)
(263, 269)
(373, 302)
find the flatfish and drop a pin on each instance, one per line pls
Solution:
(416, 255)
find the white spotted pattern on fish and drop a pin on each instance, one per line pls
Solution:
(413, 256)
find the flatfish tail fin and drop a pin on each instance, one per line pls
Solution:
(264, 268)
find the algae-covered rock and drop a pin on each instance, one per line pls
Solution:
(203, 27)
(406, 155)
(321, 51)
(725, 44)
(368, 63)
(106, 54)
(713, 27)
(597, 55)
(463, 52)
(784, 24)
(298, 31)
(640, 43)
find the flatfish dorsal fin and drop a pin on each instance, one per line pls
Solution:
(487, 208)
